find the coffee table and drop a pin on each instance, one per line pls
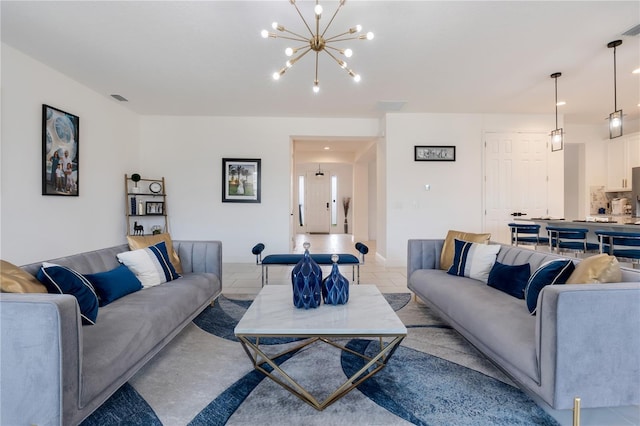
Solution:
(367, 314)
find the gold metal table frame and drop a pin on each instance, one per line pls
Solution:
(376, 363)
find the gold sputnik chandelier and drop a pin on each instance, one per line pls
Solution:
(317, 42)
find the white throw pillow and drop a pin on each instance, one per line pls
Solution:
(150, 265)
(473, 260)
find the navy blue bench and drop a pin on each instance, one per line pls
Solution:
(320, 259)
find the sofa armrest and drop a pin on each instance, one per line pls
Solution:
(200, 256)
(41, 345)
(588, 344)
(423, 254)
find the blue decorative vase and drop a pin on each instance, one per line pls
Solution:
(306, 279)
(335, 288)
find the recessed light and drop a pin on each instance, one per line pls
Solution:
(327, 148)
(636, 71)
(561, 103)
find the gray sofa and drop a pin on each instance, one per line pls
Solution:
(56, 371)
(584, 341)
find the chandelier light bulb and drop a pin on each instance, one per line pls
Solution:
(358, 28)
(264, 33)
(289, 64)
(348, 53)
(316, 87)
(370, 35)
(342, 64)
(288, 51)
(274, 25)
(276, 76)
(317, 10)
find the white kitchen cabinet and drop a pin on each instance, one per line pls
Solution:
(622, 155)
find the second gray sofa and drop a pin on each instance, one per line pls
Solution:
(584, 341)
(55, 371)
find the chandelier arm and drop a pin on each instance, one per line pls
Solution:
(295, 34)
(334, 39)
(334, 58)
(297, 58)
(317, 54)
(326, 46)
(303, 20)
(292, 38)
(331, 20)
(340, 35)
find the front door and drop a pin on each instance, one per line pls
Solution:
(516, 183)
(318, 203)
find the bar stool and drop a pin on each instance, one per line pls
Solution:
(531, 234)
(625, 246)
(570, 239)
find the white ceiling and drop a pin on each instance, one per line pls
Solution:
(207, 57)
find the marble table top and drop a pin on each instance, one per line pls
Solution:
(366, 314)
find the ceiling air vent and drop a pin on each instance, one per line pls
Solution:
(119, 98)
(632, 31)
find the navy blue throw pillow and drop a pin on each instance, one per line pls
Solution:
(512, 279)
(549, 273)
(114, 284)
(62, 280)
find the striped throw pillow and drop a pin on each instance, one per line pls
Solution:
(150, 265)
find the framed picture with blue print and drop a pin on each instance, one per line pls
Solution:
(60, 152)
(434, 153)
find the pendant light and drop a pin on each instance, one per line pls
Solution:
(319, 173)
(557, 135)
(615, 118)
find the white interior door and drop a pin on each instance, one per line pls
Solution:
(318, 203)
(516, 182)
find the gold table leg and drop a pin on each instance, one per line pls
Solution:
(258, 358)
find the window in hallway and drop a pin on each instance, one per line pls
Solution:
(334, 197)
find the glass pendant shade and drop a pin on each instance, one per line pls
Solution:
(557, 140)
(615, 124)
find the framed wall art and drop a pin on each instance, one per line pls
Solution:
(60, 152)
(154, 208)
(434, 153)
(240, 180)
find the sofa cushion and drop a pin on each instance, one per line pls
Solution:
(62, 280)
(473, 260)
(494, 321)
(600, 268)
(151, 265)
(549, 273)
(114, 284)
(15, 280)
(512, 279)
(448, 249)
(143, 241)
(131, 327)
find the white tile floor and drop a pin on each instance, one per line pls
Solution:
(245, 278)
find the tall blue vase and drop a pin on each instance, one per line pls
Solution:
(306, 279)
(335, 288)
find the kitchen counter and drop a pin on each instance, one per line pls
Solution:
(626, 224)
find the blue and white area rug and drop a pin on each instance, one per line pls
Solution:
(203, 377)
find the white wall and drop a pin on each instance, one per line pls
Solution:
(188, 152)
(36, 227)
(455, 200)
